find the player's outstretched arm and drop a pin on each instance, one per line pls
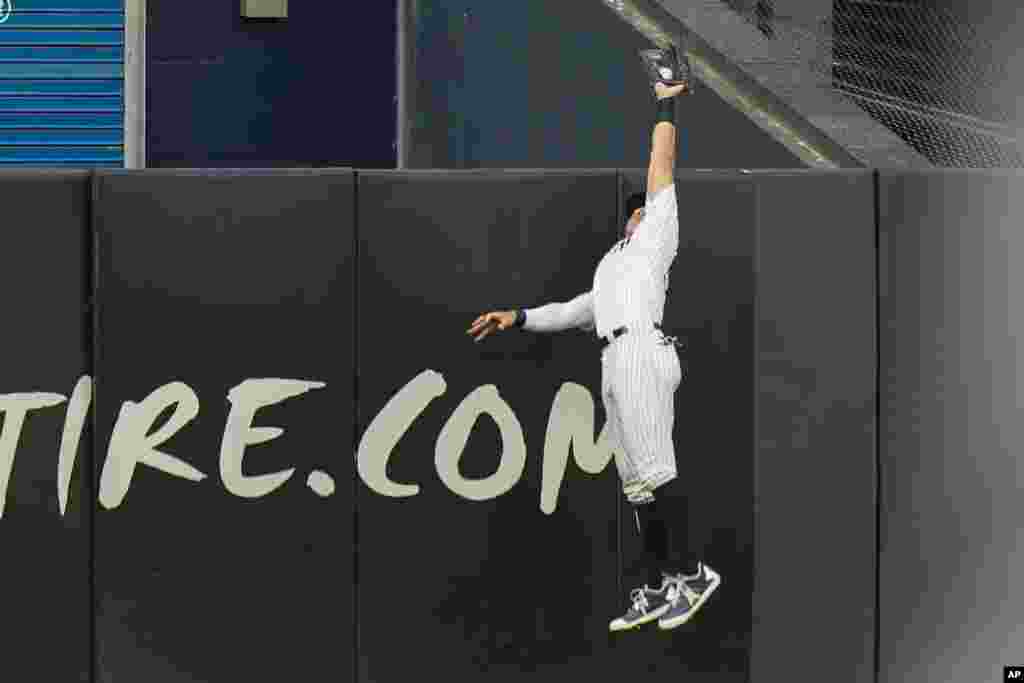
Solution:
(552, 317)
(663, 139)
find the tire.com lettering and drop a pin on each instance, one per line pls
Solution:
(133, 442)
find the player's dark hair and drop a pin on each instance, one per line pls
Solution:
(635, 201)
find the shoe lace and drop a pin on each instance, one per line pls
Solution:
(673, 594)
(677, 590)
(639, 598)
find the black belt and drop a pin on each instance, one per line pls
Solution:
(619, 331)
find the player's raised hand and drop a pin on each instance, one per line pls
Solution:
(489, 322)
(662, 91)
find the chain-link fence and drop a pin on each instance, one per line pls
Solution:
(939, 76)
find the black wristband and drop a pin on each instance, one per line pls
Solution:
(520, 318)
(666, 111)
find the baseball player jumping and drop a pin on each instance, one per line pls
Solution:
(640, 369)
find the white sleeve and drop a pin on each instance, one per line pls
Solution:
(659, 232)
(555, 317)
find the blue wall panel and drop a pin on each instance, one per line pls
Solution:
(62, 83)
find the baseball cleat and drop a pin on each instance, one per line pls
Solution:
(687, 594)
(648, 605)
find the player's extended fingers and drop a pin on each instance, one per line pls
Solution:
(676, 89)
(665, 91)
(477, 324)
(486, 330)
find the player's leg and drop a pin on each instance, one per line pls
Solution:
(649, 601)
(647, 387)
(644, 382)
(623, 465)
(693, 580)
(685, 583)
(645, 393)
(649, 377)
(642, 504)
(681, 557)
(659, 385)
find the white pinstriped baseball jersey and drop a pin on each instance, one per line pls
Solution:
(630, 282)
(640, 371)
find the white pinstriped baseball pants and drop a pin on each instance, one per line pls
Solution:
(640, 372)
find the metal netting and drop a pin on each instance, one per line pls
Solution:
(940, 77)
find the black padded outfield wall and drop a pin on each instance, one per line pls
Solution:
(45, 514)
(300, 460)
(952, 322)
(224, 544)
(488, 514)
(814, 514)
